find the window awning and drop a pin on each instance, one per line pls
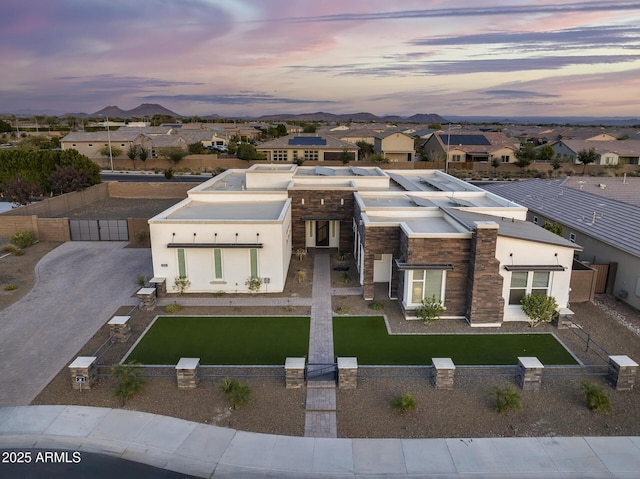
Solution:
(407, 266)
(215, 245)
(534, 267)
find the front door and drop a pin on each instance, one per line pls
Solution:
(322, 233)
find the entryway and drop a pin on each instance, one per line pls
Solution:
(322, 233)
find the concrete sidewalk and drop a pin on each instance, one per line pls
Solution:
(210, 451)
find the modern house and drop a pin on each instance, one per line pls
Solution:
(303, 147)
(395, 146)
(469, 147)
(600, 214)
(414, 235)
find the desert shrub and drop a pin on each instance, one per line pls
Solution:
(430, 309)
(142, 280)
(345, 277)
(238, 394)
(540, 308)
(219, 294)
(343, 256)
(181, 283)
(10, 287)
(376, 306)
(129, 381)
(173, 308)
(342, 310)
(10, 248)
(253, 284)
(142, 238)
(301, 253)
(507, 400)
(300, 276)
(22, 239)
(596, 397)
(406, 402)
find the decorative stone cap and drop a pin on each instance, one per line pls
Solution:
(83, 361)
(347, 363)
(530, 362)
(623, 360)
(188, 363)
(443, 363)
(119, 320)
(147, 291)
(486, 225)
(565, 312)
(157, 279)
(294, 363)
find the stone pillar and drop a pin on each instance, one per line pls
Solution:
(83, 372)
(188, 373)
(347, 373)
(564, 319)
(529, 373)
(443, 372)
(160, 284)
(294, 373)
(485, 305)
(622, 372)
(147, 297)
(119, 329)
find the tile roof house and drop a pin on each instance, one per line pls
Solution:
(395, 145)
(468, 147)
(414, 234)
(607, 228)
(616, 152)
(90, 143)
(302, 147)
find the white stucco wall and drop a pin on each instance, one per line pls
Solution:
(511, 251)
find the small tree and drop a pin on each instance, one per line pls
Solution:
(556, 164)
(545, 153)
(132, 153)
(430, 309)
(345, 156)
(110, 152)
(253, 284)
(197, 148)
(495, 163)
(129, 381)
(143, 154)
(525, 156)
(181, 283)
(587, 157)
(540, 308)
(378, 158)
(553, 227)
(17, 190)
(67, 178)
(174, 154)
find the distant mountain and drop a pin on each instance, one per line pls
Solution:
(548, 120)
(361, 117)
(141, 111)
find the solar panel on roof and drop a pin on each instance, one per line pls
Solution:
(307, 141)
(477, 140)
(421, 201)
(360, 171)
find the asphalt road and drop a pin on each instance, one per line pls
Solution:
(57, 464)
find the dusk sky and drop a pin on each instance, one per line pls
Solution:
(253, 57)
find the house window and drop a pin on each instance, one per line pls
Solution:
(505, 158)
(311, 155)
(90, 144)
(528, 282)
(217, 264)
(609, 160)
(456, 157)
(535, 220)
(253, 255)
(182, 264)
(572, 237)
(280, 155)
(73, 144)
(426, 283)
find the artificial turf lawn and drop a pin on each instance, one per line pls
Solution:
(224, 340)
(366, 338)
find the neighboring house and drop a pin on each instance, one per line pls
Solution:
(414, 235)
(90, 143)
(608, 229)
(303, 147)
(167, 141)
(616, 152)
(395, 145)
(470, 147)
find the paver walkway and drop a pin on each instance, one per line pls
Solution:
(320, 416)
(79, 285)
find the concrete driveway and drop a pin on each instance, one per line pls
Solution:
(79, 287)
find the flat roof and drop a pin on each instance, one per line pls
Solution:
(229, 211)
(427, 224)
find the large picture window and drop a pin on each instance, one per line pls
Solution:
(253, 254)
(528, 282)
(182, 264)
(217, 264)
(426, 283)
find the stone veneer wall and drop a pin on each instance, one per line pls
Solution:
(444, 251)
(332, 209)
(379, 240)
(484, 287)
